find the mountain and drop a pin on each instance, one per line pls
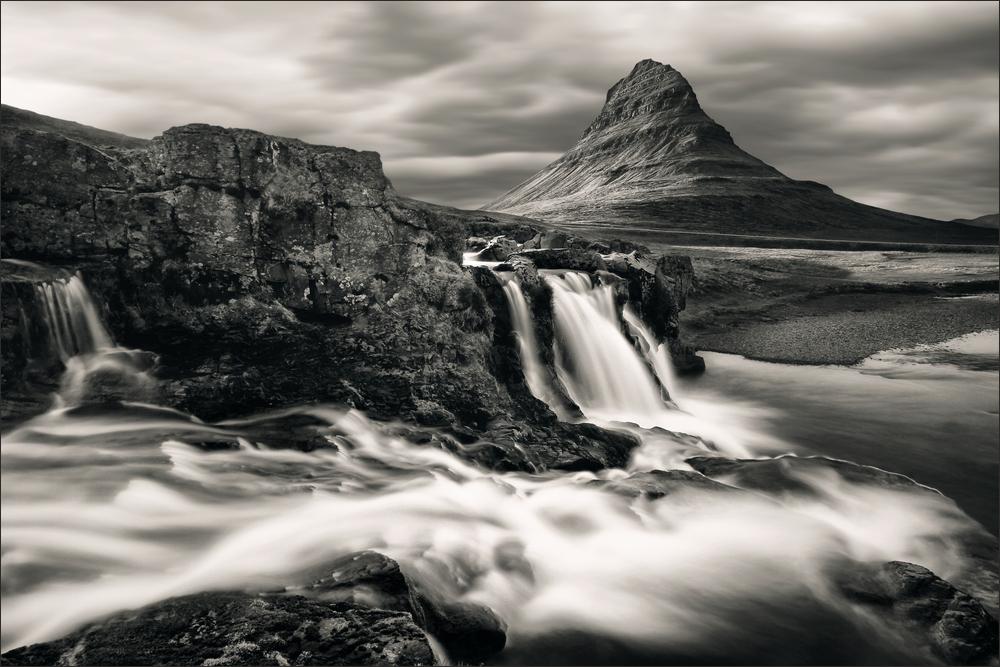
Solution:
(653, 158)
(991, 220)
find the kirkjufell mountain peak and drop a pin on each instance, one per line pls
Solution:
(653, 157)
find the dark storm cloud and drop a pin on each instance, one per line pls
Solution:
(890, 103)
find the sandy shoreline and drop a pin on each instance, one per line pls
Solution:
(845, 329)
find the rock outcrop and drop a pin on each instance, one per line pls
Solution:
(239, 629)
(469, 633)
(944, 621)
(264, 272)
(241, 259)
(654, 158)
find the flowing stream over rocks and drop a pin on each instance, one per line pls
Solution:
(689, 554)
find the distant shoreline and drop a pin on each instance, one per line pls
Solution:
(845, 329)
(649, 235)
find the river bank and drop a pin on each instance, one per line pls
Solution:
(827, 307)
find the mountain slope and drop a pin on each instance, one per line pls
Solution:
(654, 158)
(14, 118)
(991, 220)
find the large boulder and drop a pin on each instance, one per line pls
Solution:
(574, 259)
(239, 629)
(940, 619)
(497, 249)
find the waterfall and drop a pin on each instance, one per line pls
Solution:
(595, 362)
(615, 384)
(109, 508)
(75, 336)
(535, 373)
(71, 317)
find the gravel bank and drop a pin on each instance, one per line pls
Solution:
(845, 329)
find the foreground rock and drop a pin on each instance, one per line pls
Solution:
(239, 629)
(469, 633)
(945, 621)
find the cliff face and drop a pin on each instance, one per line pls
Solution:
(265, 272)
(653, 156)
(218, 212)
(262, 270)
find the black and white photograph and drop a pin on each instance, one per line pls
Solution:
(500, 333)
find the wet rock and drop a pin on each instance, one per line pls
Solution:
(476, 243)
(953, 625)
(659, 483)
(239, 629)
(583, 446)
(658, 288)
(686, 362)
(497, 249)
(574, 259)
(469, 633)
(365, 578)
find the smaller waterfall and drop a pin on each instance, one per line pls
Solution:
(656, 353)
(71, 318)
(75, 337)
(535, 373)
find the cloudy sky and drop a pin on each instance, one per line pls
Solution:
(893, 104)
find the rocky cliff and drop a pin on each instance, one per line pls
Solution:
(654, 157)
(263, 272)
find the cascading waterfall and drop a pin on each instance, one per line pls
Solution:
(535, 374)
(71, 318)
(77, 337)
(599, 368)
(612, 382)
(111, 508)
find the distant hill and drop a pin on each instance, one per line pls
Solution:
(654, 159)
(991, 220)
(14, 118)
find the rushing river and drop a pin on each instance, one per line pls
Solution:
(931, 413)
(107, 508)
